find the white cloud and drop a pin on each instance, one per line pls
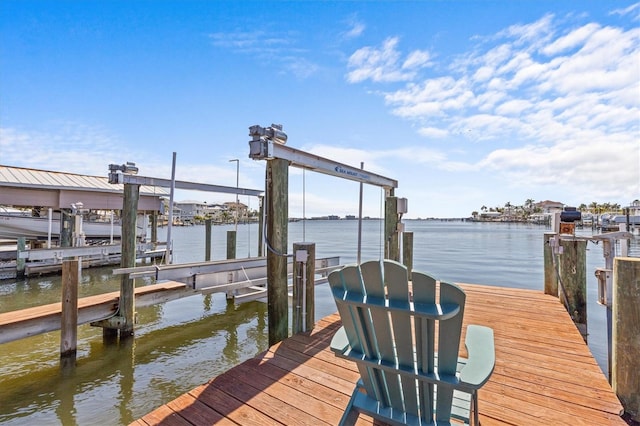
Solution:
(634, 8)
(433, 132)
(71, 147)
(417, 59)
(278, 49)
(571, 40)
(531, 34)
(356, 29)
(569, 94)
(384, 64)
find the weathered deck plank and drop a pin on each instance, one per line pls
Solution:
(544, 374)
(27, 322)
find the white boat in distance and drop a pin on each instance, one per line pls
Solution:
(13, 226)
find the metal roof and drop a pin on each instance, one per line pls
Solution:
(18, 177)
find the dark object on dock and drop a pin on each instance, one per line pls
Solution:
(570, 214)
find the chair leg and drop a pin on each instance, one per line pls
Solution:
(344, 421)
(474, 403)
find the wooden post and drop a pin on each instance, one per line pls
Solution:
(231, 254)
(550, 279)
(21, 263)
(69, 317)
(128, 257)
(231, 244)
(407, 251)
(125, 317)
(66, 227)
(277, 189)
(391, 244)
(626, 334)
(207, 239)
(573, 281)
(154, 229)
(304, 268)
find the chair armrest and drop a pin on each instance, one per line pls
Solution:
(340, 342)
(482, 356)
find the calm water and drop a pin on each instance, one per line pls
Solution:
(184, 343)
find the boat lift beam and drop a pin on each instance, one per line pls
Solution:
(123, 178)
(262, 148)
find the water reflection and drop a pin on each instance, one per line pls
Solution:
(134, 375)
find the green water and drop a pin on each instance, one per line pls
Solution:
(177, 346)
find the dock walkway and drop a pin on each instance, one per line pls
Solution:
(27, 322)
(544, 374)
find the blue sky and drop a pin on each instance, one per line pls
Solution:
(465, 103)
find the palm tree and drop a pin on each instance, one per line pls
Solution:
(529, 204)
(508, 206)
(225, 216)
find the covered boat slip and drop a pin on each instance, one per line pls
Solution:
(544, 374)
(43, 190)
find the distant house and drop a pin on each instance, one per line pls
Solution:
(549, 207)
(189, 209)
(490, 215)
(215, 210)
(634, 208)
(232, 207)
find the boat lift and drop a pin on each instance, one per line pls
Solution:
(268, 143)
(126, 174)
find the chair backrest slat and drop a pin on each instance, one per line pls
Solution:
(449, 333)
(397, 285)
(374, 288)
(358, 326)
(424, 292)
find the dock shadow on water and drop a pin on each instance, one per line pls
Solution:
(177, 346)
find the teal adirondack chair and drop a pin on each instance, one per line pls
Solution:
(405, 377)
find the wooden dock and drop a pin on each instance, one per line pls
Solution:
(545, 374)
(27, 322)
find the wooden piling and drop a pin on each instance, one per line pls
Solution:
(550, 279)
(391, 243)
(21, 263)
(66, 227)
(69, 315)
(277, 189)
(231, 244)
(407, 251)
(124, 319)
(154, 229)
(231, 254)
(207, 239)
(128, 257)
(304, 255)
(573, 281)
(626, 334)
